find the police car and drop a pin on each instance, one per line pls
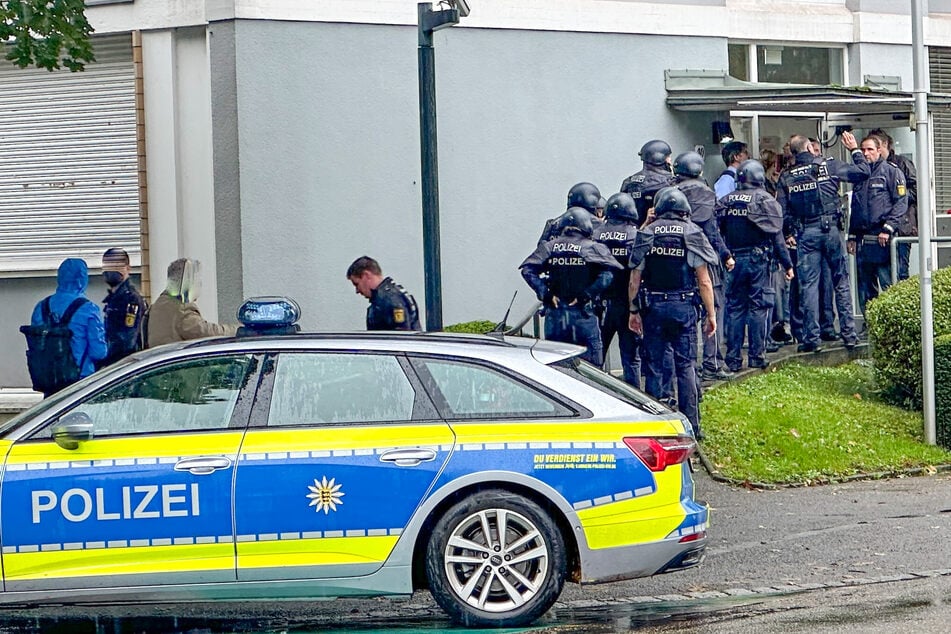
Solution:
(294, 466)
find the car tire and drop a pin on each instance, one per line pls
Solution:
(482, 581)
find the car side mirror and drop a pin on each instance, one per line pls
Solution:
(72, 429)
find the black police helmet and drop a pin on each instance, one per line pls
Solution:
(577, 220)
(671, 200)
(621, 207)
(751, 174)
(585, 195)
(655, 152)
(688, 164)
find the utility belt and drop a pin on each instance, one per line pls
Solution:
(662, 296)
(825, 222)
(750, 251)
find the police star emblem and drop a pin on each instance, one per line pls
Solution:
(325, 495)
(399, 315)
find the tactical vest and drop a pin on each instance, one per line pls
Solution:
(642, 187)
(568, 272)
(617, 236)
(737, 230)
(695, 191)
(665, 265)
(810, 191)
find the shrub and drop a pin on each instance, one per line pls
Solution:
(942, 397)
(479, 327)
(894, 326)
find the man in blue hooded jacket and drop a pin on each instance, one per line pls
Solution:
(89, 336)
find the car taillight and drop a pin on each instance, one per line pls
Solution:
(659, 453)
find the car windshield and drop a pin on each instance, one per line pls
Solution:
(590, 375)
(64, 394)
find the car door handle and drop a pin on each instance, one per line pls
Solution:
(408, 457)
(203, 465)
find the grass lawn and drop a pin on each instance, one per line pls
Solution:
(802, 424)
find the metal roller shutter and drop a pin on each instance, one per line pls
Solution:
(68, 168)
(940, 65)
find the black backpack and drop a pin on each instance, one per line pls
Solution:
(49, 353)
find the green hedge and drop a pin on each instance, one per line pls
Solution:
(942, 397)
(479, 327)
(894, 325)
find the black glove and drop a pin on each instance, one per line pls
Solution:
(582, 298)
(547, 299)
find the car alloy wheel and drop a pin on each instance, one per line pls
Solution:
(496, 559)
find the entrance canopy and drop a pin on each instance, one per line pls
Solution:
(716, 91)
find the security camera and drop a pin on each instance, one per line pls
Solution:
(463, 7)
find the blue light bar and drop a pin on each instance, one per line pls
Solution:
(268, 312)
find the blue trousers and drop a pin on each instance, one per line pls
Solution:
(577, 325)
(874, 275)
(904, 260)
(672, 323)
(748, 300)
(816, 249)
(615, 322)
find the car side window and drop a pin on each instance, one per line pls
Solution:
(194, 395)
(468, 390)
(329, 388)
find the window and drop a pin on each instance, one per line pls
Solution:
(473, 391)
(604, 382)
(781, 63)
(195, 395)
(326, 388)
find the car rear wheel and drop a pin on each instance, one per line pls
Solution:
(496, 559)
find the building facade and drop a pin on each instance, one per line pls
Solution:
(278, 140)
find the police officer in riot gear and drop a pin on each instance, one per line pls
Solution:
(751, 223)
(583, 195)
(655, 175)
(578, 270)
(688, 169)
(669, 279)
(618, 233)
(878, 205)
(809, 195)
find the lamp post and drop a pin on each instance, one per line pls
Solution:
(429, 21)
(925, 215)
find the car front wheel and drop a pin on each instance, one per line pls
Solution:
(496, 559)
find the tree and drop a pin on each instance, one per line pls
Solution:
(48, 33)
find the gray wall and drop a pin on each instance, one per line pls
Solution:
(328, 143)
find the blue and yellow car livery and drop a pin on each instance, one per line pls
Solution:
(256, 511)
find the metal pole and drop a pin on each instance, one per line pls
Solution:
(429, 166)
(925, 215)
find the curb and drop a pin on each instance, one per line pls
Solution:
(777, 590)
(828, 356)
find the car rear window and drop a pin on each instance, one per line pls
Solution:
(583, 371)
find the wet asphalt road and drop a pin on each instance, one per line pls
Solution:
(857, 557)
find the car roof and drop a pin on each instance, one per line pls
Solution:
(458, 344)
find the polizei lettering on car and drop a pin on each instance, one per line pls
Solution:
(146, 501)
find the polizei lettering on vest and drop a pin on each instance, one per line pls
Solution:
(802, 187)
(668, 229)
(667, 252)
(566, 261)
(560, 247)
(146, 501)
(613, 235)
(741, 198)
